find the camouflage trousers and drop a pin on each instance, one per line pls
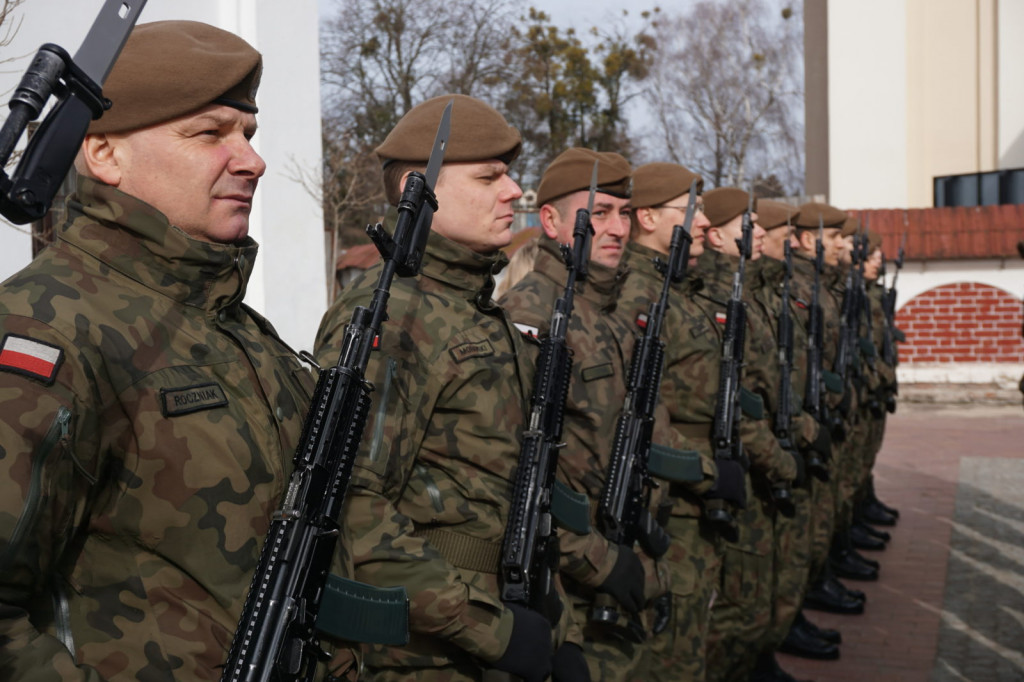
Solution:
(792, 564)
(851, 465)
(876, 434)
(823, 516)
(608, 658)
(695, 559)
(742, 614)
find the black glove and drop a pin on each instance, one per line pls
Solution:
(527, 653)
(801, 468)
(568, 664)
(626, 581)
(823, 443)
(730, 485)
(662, 613)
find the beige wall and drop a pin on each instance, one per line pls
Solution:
(918, 89)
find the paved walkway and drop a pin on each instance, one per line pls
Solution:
(949, 605)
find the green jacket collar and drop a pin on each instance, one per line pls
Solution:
(462, 268)
(602, 286)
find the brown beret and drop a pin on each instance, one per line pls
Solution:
(171, 68)
(656, 183)
(809, 213)
(851, 225)
(571, 171)
(772, 214)
(874, 242)
(725, 203)
(479, 133)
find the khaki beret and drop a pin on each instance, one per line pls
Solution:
(851, 225)
(772, 214)
(171, 68)
(809, 213)
(571, 171)
(656, 183)
(725, 203)
(479, 133)
(874, 242)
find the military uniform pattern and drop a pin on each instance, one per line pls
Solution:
(433, 479)
(602, 346)
(138, 484)
(688, 387)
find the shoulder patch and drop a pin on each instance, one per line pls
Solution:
(527, 330)
(641, 320)
(721, 318)
(471, 349)
(36, 359)
(187, 399)
(597, 372)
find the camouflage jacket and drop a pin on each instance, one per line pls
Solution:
(149, 421)
(886, 371)
(690, 378)
(760, 373)
(602, 346)
(803, 291)
(431, 487)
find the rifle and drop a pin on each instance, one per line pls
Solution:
(725, 434)
(814, 394)
(27, 194)
(624, 513)
(276, 639)
(529, 554)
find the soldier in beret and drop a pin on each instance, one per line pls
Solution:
(594, 569)
(661, 192)
(149, 417)
(742, 614)
(825, 592)
(432, 484)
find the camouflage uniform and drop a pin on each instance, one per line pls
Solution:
(689, 384)
(849, 452)
(139, 477)
(602, 345)
(741, 618)
(432, 483)
(886, 388)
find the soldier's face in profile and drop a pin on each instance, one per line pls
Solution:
(846, 250)
(200, 170)
(673, 213)
(872, 265)
(725, 236)
(475, 204)
(832, 240)
(610, 219)
(775, 242)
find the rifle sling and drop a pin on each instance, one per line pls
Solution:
(463, 551)
(677, 466)
(357, 612)
(700, 431)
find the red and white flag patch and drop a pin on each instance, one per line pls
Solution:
(22, 355)
(720, 318)
(527, 330)
(641, 321)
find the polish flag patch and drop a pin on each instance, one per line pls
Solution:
(641, 321)
(22, 355)
(527, 330)
(720, 318)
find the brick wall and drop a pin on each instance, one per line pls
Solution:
(963, 322)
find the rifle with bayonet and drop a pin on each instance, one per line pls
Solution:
(624, 510)
(27, 193)
(276, 637)
(725, 434)
(529, 554)
(814, 394)
(889, 351)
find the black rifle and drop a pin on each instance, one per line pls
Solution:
(814, 394)
(27, 194)
(276, 636)
(529, 553)
(889, 306)
(725, 434)
(624, 511)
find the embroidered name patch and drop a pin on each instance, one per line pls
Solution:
(597, 372)
(179, 401)
(471, 349)
(22, 355)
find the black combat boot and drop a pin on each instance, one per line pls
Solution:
(828, 594)
(827, 634)
(801, 641)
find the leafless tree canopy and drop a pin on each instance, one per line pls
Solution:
(726, 94)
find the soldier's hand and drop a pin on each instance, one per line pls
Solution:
(568, 664)
(626, 581)
(730, 485)
(531, 635)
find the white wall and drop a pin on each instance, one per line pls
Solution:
(867, 103)
(918, 277)
(289, 285)
(1011, 83)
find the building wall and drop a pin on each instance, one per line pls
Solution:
(289, 285)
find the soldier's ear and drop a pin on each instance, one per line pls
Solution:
(714, 237)
(99, 159)
(549, 217)
(645, 219)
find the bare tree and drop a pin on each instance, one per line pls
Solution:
(726, 94)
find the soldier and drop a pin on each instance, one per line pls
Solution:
(431, 487)
(602, 347)
(742, 615)
(826, 592)
(149, 416)
(688, 388)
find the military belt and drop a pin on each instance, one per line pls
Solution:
(701, 431)
(463, 551)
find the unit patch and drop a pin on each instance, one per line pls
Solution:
(188, 399)
(22, 355)
(471, 349)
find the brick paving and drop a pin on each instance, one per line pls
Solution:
(949, 604)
